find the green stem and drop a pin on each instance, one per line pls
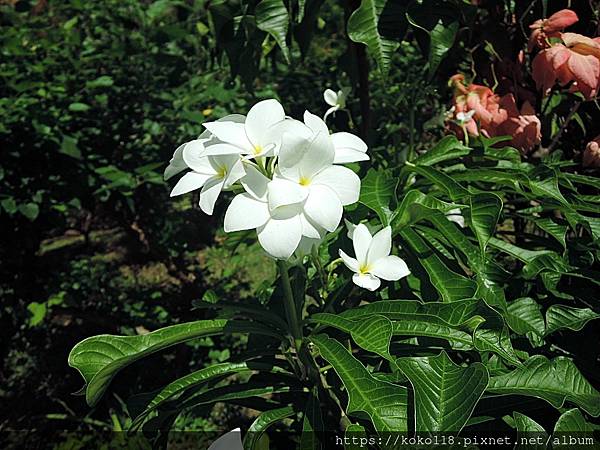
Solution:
(290, 305)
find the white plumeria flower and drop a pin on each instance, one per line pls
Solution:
(348, 148)
(337, 100)
(177, 164)
(373, 260)
(306, 176)
(279, 229)
(258, 135)
(229, 441)
(454, 215)
(463, 118)
(211, 173)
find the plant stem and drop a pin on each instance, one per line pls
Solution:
(290, 305)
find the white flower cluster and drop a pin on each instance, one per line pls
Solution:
(292, 188)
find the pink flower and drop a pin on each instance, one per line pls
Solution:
(477, 109)
(577, 60)
(591, 154)
(523, 125)
(543, 29)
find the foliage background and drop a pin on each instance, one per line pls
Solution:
(94, 98)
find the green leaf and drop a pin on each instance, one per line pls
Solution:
(529, 430)
(453, 314)
(485, 212)
(203, 376)
(312, 425)
(525, 318)
(560, 316)
(102, 81)
(99, 358)
(555, 381)
(272, 17)
(497, 341)
(363, 27)
(372, 333)
(69, 147)
(454, 189)
(450, 285)
(30, 210)
(377, 191)
(446, 149)
(38, 313)
(438, 21)
(445, 394)
(78, 107)
(458, 340)
(417, 206)
(553, 229)
(385, 404)
(573, 422)
(10, 205)
(264, 421)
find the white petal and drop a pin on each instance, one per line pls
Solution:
(348, 148)
(260, 118)
(229, 441)
(350, 262)
(209, 139)
(323, 207)
(255, 183)
(234, 173)
(223, 149)
(230, 132)
(366, 280)
(330, 111)
(189, 182)
(454, 215)
(285, 192)
(310, 229)
(351, 227)
(282, 133)
(317, 157)
(176, 164)
(330, 97)
(209, 194)
(245, 213)
(291, 154)
(315, 123)
(381, 245)
(390, 268)
(194, 157)
(343, 181)
(280, 237)
(305, 246)
(362, 241)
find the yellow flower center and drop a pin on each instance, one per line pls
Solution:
(304, 181)
(258, 149)
(221, 172)
(364, 269)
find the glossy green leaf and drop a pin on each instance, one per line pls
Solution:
(377, 191)
(385, 404)
(263, 422)
(446, 149)
(450, 285)
(272, 17)
(99, 358)
(525, 318)
(373, 333)
(557, 381)
(573, 422)
(529, 430)
(445, 393)
(485, 212)
(443, 181)
(562, 316)
(312, 425)
(497, 341)
(363, 27)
